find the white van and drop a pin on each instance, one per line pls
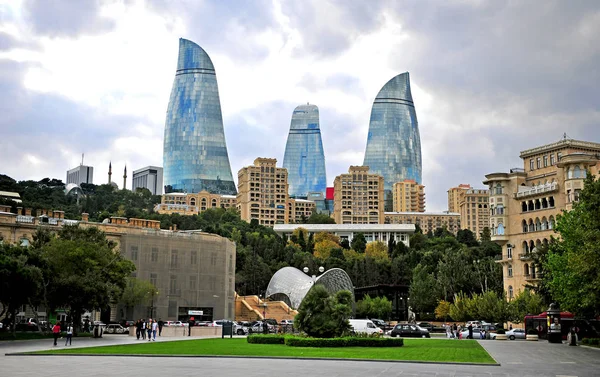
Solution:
(364, 326)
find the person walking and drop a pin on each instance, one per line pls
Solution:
(448, 331)
(56, 332)
(160, 326)
(154, 330)
(191, 323)
(149, 329)
(470, 327)
(143, 329)
(138, 328)
(69, 339)
(454, 329)
(458, 332)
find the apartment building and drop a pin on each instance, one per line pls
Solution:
(358, 197)
(408, 196)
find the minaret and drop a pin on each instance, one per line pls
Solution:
(109, 172)
(124, 177)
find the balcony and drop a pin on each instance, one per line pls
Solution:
(526, 256)
(533, 278)
(531, 191)
(503, 258)
(499, 238)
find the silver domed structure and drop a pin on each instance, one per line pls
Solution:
(291, 285)
(73, 189)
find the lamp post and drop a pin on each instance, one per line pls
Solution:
(151, 311)
(314, 277)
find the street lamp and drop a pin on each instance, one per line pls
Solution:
(151, 311)
(314, 277)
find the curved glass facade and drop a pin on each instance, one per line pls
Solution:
(291, 285)
(195, 153)
(304, 158)
(393, 143)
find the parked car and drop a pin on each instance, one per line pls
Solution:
(364, 326)
(116, 328)
(237, 328)
(405, 330)
(426, 325)
(380, 323)
(286, 322)
(257, 327)
(174, 323)
(516, 334)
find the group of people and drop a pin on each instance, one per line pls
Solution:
(149, 327)
(56, 329)
(455, 332)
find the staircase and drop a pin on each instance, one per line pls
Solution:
(250, 308)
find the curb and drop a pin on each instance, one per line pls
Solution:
(256, 357)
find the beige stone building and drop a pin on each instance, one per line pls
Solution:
(408, 196)
(191, 270)
(454, 196)
(427, 221)
(299, 210)
(193, 204)
(525, 201)
(358, 197)
(474, 210)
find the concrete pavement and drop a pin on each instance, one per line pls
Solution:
(517, 358)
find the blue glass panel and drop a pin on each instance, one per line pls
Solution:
(304, 158)
(393, 143)
(195, 153)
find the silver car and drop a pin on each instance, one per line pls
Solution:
(516, 334)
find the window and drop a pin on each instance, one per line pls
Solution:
(552, 161)
(174, 256)
(545, 161)
(500, 229)
(134, 253)
(153, 279)
(510, 292)
(193, 257)
(173, 285)
(558, 156)
(509, 251)
(539, 162)
(213, 259)
(576, 172)
(531, 166)
(510, 272)
(154, 255)
(498, 189)
(193, 281)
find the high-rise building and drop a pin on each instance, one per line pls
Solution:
(263, 192)
(150, 177)
(408, 196)
(393, 143)
(304, 158)
(80, 174)
(474, 210)
(525, 201)
(358, 197)
(195, 153)
(454, 196)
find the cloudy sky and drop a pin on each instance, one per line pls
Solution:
(489, 79)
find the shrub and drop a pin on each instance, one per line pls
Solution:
(344, 342)
(322, 315)
(532, 332)
(591, 341)
(266, 339)
(501, 331)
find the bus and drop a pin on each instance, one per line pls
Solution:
(583, 327)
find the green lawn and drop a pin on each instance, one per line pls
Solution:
(435, 350)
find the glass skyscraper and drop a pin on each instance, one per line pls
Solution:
(304, 158)
(393, 143)
(195, 153)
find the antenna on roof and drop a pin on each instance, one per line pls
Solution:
(82, 159)
(565, 136)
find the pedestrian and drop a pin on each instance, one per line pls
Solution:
(143, 329)
(454, 330)
(149, 329)
(190, 325)
(69, 339)
(448, 331)
(510, 327)
(160, 326)
(86, 325)
(458, 332)
(56, 332)
(470, 328)
(482, 334)
(154, 329)
(138, 328)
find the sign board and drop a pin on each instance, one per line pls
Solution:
(540, 328)
(195, 312)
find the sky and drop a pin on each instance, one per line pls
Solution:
(489, 79)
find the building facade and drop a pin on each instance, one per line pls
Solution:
(80, 174)
(474, 210)
(304, 158)
(408, 196)
(150, 177)
(455, 195)
(193, 204)
(427, 221)
(393, 143)
(358, 197)
(525, 201)
(372, 232)
(191, 270)
(195, 152)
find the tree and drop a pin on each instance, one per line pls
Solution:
(423, 290)
(359, 243)
(442, 311)
(571, 271)
(526, 303)
(466, 237)
(137, 292)
(324, 316)
(376, 307)
(486, 235)
(377, 250)
(320, 218)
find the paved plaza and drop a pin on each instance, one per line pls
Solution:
(517, 358)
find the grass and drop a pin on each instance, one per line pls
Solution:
(434, 350)
(35, 335)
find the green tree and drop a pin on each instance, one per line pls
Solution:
(466, 237)
(376, 307)
(324, 316)
(442, 310)
(526, 303)
(137, 292)
(571, 271)
(359, 243)
(423, 290)
(320, 218)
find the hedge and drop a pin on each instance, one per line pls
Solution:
(591, 341)
(266, 339)
(343, 342)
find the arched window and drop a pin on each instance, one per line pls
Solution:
(530, 205)
(538, 204)
(538, 224)
(509, 271)
(533, 271)
(569, 173)
(193, 201)
(510, 292)
(498, 189)
(500, 229)
(500, 209)
(24, 242)
(214, 203)
(544, 203)
(525, 247)
(531, 246)
(523, 206)
(524, 225)
(551, 223)
(551, 201)
(526, 269)
(544, 223)
(576, 172)
(531, 226)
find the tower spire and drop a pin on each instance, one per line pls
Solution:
(125, 177)
(109, 172)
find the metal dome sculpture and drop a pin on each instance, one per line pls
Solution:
(291, 285)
